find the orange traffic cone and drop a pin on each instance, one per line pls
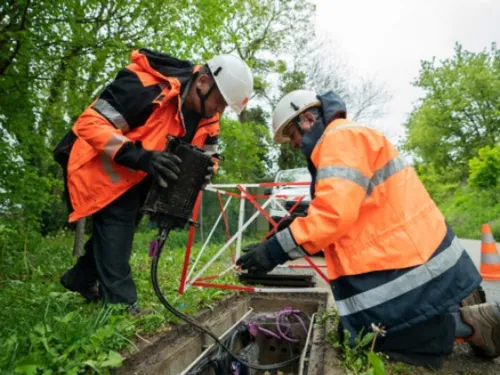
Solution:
(490, 259)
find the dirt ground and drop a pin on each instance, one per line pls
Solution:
(462, 362)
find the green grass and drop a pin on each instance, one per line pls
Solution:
(46, 329)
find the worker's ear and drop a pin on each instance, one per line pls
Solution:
(203, 81)
(310, 118)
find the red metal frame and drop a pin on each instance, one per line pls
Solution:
(316, 268)
(272, 231)
(248, 196)
(189, 245)
(244, 194)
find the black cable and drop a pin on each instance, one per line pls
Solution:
(217, 359)
(173, 310)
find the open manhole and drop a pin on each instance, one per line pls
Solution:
(247, 323)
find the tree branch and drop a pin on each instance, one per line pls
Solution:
(8, 61)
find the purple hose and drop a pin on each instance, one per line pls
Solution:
(287, 312)
(254, 328)
(153, 247)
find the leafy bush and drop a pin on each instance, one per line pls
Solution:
(485, 168)
(469, 208)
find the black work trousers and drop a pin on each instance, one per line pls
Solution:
(107, 252)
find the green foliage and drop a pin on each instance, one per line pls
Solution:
(245, 148)
(436, 183)
(355, 359)
(45, 328)
(485, 168)
(67, 344)
(293, 80)
(453, 134)
(458, 114)
(290, 158)
(467, 209)
(358, 359)
(24, 193)
(55, 58)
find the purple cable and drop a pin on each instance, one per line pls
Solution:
(288, 311)
(153, 246)
(254, 328)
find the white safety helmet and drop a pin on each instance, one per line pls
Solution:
(289, 107)
(234, 80)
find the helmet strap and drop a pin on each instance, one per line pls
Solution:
(203, 98)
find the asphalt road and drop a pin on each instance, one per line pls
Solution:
(473, 248)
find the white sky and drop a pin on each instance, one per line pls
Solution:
(387, 39)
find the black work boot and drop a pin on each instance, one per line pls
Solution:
(89, 292)
(136, 311)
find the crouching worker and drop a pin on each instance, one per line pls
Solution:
(391, 257)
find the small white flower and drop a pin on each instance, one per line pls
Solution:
(378, 329)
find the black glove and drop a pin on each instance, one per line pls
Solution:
(264, 257)
(288, 220)
(163, 166)
(208, 176)
(250, 247)
(160, 165)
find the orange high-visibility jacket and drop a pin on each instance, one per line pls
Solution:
(143, 105)
(370, 211)
(391, 257)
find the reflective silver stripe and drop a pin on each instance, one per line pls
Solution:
(288, 244)
(286, 240)
(108, 168)
(380, 176)
(346, 173)
(296, 253)
(210, 149)
(392, 167)
(488, 238)
(114, 143)
(112, 115)
(490, 258)
(403, 284)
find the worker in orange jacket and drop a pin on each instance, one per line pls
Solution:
(391, 257)
(116, 148)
